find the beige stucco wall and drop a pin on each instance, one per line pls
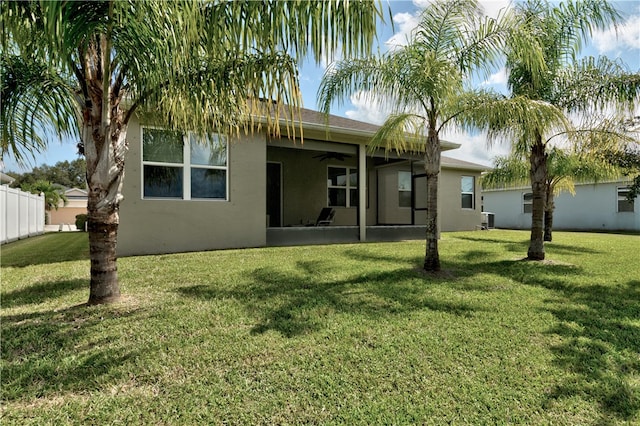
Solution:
(66, 215)
(170, 226)
(389, 212)
(452, 216)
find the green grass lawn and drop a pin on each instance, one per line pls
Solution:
(342, 334)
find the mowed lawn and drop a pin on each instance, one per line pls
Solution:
(342, 334)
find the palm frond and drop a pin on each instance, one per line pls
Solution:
(596, 84)
(507, 172)
(404, 132)
(37, 103)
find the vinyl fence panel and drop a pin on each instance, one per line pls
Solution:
(21, 214)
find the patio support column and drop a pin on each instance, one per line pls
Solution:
(362, 191)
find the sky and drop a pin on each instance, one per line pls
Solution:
(625, 45)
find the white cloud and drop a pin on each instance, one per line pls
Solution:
(474, 148)
(367, 109)
(406, 23)
(492, 8)
(627, 37)
(498, 78)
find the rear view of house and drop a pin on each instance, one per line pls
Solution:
(186, 194)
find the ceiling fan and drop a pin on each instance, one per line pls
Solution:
(331, 156)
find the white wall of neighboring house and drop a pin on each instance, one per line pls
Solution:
(594, 207)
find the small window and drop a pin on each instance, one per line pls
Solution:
(527, 202)
(404, 189)
(183, 166)
(624, 205)
(468, 192)
(342, 187)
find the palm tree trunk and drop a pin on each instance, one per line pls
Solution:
(538, 174)
(105, 173)
(104, 135)
(432, 169)
(103, 234)
(548, 215)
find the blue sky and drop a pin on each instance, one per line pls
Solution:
(626, 46)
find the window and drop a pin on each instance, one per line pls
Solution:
(342, 187)
(468, 192)
(182, 166)
(624, 205)
(527, 202)
(404, 189)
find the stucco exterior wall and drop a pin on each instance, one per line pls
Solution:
(151, 226)
(65, 215)
(452, 216)
(594, 207)
(389, 210)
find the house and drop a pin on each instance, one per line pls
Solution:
(66, 213)
(596, 206)
(5, 179)
(263, 190)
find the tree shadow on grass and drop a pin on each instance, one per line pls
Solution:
(600, 345)
(46, 353)
(597, 326)
(522, 247)
(41, 292)
(299, 302)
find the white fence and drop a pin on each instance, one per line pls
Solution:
(21, 214)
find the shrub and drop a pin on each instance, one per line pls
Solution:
(81, 220)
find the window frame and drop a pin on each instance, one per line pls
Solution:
(410, 190)
(622, 198)
(526, 202)
(187, 166)
(347, 187)
(473, 193)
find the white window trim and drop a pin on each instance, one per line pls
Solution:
(186, 169)
(633, 204)
(347, 187)
(524, 202)
(410, 190)
(473, 194)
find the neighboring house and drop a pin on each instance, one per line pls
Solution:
(599, 206)
(66, 213)
(5, 179)
(261, 190)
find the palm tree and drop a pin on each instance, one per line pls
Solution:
(53, 193)
(564, 170)
(195, 65)
(423, 84)
(557, 32)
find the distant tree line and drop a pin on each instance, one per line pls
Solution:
(69, 174)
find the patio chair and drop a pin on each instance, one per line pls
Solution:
(325, 218)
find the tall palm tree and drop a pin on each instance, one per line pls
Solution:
(558, 32)
(195, 65)
(564, 170)
(424, 86)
